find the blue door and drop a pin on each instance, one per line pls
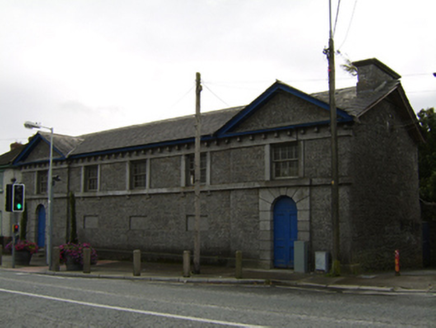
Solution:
(41, 226)
(285, 232)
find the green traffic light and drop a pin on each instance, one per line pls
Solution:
(19, 206)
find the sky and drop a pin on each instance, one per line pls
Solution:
(81, 66)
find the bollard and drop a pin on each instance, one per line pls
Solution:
(186, 263)
(397, 262)
(136, 262)
(55, 259)
(1, 254)
(238, 265)
(86, 260)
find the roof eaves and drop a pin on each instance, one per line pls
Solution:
(265, 96)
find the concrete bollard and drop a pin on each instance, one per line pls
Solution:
(55, 259)
(86, 260)
(1, 254)
(238, 265)
(186, 263)
(137, 262)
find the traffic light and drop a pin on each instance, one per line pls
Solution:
(8, 202)
(16, 228)
(18, 198)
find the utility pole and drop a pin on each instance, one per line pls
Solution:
(197, 173)
(334, 154)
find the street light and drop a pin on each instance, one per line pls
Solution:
(34, 125)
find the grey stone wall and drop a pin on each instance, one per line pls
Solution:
(165, 172)
(75, 178)
(282, 110)
(247, 164)
(379, 210)
(113, 176)
(385, 200)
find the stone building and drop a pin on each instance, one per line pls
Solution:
(265, 174)
(8, 174)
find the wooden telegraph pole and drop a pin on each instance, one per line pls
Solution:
(197, 173)
(334, 154)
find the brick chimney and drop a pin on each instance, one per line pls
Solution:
(16, 145)
(372, 73)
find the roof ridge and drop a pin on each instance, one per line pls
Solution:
(171, 119)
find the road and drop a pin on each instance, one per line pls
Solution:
(32, 300)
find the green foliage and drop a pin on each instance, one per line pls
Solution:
(73, 229)
(427, 162)
(349, 67)
(427, 155)
(335, 270)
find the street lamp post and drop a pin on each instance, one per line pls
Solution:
(32, 125)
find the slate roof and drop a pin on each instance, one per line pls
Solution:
(181, 129)
(154, 133)
(347, 99)
(63, 145)
(7, 159)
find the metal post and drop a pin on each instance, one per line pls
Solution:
(86, 260)
(197, 175)
(50, 203)
(334, 156)
(14, 239)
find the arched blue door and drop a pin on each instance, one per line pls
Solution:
(41, 226)
(285, 232)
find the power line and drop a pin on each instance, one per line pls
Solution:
(349, 25)
(182, 97)
(337, 15)
(205, 85)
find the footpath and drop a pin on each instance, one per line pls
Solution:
(413, 281)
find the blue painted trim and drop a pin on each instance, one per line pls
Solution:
(29, 148)
(288, 127)
(264, 97)
(134, 148)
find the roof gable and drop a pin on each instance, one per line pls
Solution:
(38, 149)
(280, 107)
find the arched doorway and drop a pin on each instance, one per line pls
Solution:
(41, 226)
(285, 232)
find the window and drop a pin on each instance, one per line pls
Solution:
(190, 169)
(138, 175)
(285, 160)
(42, 178)
(91, 178)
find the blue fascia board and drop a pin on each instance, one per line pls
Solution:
(189, 140)
(133, 148)
(277, 86)
(282, 128)
(29, 148)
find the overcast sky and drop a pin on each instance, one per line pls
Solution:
(82, 66)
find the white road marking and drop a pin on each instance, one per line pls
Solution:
(118, 308)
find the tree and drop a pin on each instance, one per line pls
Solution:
(427, 156)
(72, 237)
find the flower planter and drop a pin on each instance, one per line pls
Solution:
(72, 264)
(22, 257)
